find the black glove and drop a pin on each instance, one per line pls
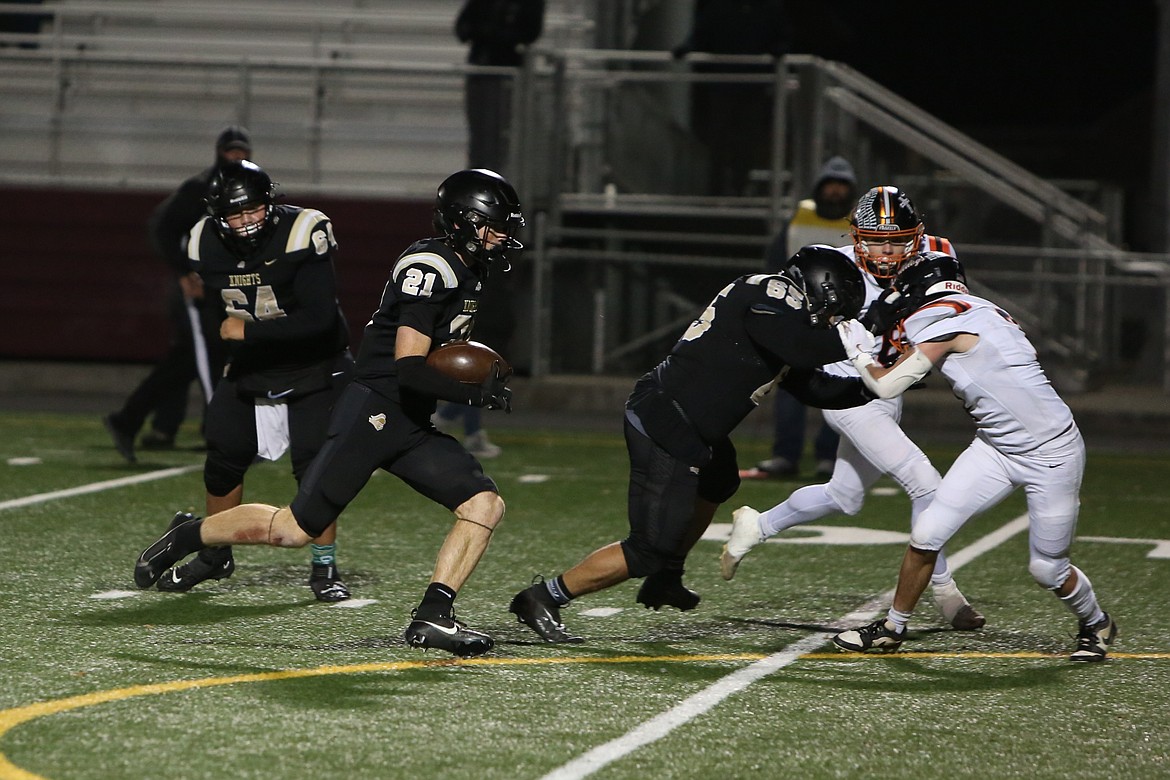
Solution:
(496, 393)
(885, 312)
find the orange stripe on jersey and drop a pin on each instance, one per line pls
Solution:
(958, 306)
(939, 244)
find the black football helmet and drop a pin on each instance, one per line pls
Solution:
(236, 187)
(928, 276)
(470, 199)
(831, 282)
(885, 214)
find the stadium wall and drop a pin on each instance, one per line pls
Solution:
(80, 281)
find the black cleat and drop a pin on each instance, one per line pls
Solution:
(535, 608)
(163, 554)
(123, 441)
(213, 563)
(666, 589)
(326, 583)
(1093, 641)
(879, 635)
(446, 633)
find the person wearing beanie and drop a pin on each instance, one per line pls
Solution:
(820, 219)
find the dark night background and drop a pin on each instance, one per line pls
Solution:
(1063, 89)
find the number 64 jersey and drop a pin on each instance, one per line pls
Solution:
(284, 289)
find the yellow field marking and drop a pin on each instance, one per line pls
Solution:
(840, 656)
(11, 718)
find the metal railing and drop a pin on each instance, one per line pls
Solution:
(623, 232)
(1061, 273)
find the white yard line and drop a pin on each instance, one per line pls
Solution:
(693, 706)
(97, 487)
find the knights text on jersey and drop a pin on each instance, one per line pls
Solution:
(730, 355)
(284, 289)
(429, 290)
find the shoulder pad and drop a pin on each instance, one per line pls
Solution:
(193, 240)
(939, 244)
(424, 274)
(310, 230)
(930, 321)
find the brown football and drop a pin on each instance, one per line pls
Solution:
(466, 361)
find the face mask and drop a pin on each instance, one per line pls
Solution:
(833, 208)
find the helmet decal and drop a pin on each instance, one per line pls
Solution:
(886, 229)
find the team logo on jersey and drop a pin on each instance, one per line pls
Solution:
(378, 421)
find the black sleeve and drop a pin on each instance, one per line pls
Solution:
(785, 332)
(414, 374)
(813, 387)
(172, 220)
(315, 288)
(531, 21)
(466, 23)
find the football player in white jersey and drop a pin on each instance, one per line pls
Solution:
(887, 230)
(1025, 437)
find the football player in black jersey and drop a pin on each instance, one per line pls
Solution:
(271, 267)
(759, 332)
(382, 419)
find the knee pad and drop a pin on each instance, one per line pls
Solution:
(221, 475)
(1049, 573)
(642, 558)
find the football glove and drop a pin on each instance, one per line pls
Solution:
(496, 393)
(858, 342)
(885, 312)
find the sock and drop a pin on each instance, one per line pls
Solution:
(1083, 601)
(948, 598)
(941, 574)
(323, 554)
(438, 600)
(805, 505)
(187, 538)
(557, 589)
(899, 619)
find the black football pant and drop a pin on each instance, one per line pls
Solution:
(164, 391)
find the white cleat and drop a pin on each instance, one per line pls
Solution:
(745, 534)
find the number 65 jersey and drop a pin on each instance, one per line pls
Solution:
(284, 289)
(754, 329)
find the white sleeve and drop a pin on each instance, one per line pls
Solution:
(899, 378)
